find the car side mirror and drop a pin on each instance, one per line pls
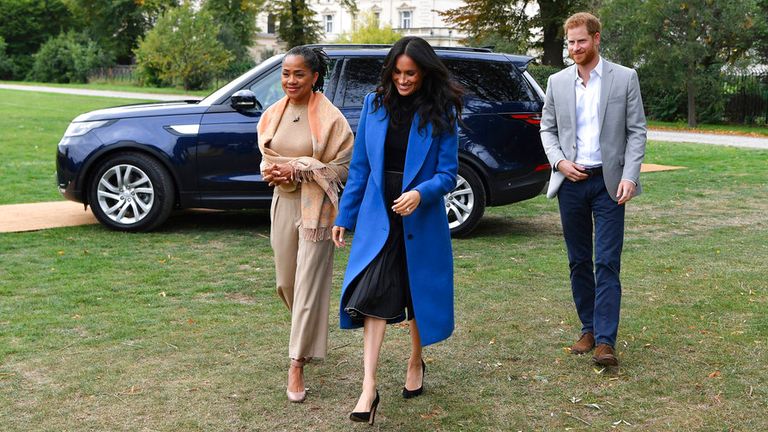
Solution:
(244, 100)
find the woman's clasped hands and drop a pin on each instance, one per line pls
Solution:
(278, 174)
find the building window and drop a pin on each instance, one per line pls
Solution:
(376, 16)
(271, 19)
(328, 23)
(405, 19)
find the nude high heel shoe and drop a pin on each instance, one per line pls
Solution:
(299, 396)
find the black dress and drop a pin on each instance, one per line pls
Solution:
(382, 289)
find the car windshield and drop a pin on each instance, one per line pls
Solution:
(240, 81)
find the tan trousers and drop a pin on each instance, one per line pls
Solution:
(304, 271)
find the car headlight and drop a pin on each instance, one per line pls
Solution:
(82, 128)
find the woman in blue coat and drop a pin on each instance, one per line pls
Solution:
(401, 264)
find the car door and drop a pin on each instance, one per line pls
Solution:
(228, 155)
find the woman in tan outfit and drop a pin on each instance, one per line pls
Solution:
(306, 145)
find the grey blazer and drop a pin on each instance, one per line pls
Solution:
(622, 125)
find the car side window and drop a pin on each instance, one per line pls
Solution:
(361, 76)
(269, 90)
(491, 80)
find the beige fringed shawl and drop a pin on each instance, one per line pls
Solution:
(321, 175)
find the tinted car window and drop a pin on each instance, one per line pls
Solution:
(268, 89)
(491, 81)
(362, 76)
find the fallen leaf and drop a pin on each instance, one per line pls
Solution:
(715, 374)
(493, 341)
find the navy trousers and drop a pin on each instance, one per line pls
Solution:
(596, 286)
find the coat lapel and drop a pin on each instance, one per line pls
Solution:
(570, 100)
(376, 133)
(606, 82)
(419, 142)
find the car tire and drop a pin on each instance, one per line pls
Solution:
(465, 204)
(131, 192)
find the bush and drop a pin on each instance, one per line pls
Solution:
(369, 32)
(6, 64)
(541, 73)
(66, 58)
(182, 49)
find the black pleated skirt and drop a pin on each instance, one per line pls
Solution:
(382, 289)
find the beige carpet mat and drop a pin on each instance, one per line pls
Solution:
(37, 216)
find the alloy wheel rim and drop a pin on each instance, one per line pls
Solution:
(459, 203)
(125, 194)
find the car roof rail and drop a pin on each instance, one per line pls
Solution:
(374, 46)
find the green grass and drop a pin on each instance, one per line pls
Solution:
(32, 125)
(118, 87)
(712, 128)
(181, 329)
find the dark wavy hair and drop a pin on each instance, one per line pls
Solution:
(438, 101)
(316, 60)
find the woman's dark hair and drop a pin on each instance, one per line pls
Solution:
(316, 60)
(438, 101)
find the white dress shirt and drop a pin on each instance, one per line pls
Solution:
(587, 119)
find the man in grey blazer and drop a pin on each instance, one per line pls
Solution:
(593, 131)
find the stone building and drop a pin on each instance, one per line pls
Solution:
(409, 17)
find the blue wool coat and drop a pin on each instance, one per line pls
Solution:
(431, 164)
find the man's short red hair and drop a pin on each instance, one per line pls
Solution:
(583, 18)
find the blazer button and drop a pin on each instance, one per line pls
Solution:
(410, 236)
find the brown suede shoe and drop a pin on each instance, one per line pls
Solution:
(605, 356)
(584, 345)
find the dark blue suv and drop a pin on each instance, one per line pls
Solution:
(134, 164)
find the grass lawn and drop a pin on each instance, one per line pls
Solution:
(180, 329)
(754, 130)
(120, 87)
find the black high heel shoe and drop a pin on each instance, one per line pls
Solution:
(366, 416)
(407, 394)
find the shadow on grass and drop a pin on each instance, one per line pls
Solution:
(216, 220)
(491, 226)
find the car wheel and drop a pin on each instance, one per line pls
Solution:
(465, 204)
(131, 192)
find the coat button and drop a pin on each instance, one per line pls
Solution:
(410, 236)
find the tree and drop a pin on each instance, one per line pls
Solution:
(67, 58)
(26, 25)
(515, 21)
(117, 25)
(237, 20)
(681, 41)
(369, 32)
(182, 49)
(297, 24)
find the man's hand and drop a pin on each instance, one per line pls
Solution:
(625, 192)
(572, 171)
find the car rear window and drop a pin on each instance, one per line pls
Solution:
(362, 76)
(490, 80)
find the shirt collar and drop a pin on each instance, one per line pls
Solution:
(597, 70)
